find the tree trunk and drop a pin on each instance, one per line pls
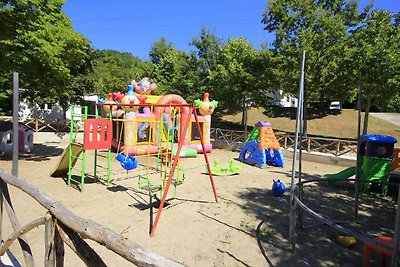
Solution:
(366, 114)
(244, 118)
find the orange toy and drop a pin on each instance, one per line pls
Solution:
(268, 139)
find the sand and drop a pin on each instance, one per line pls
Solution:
(247, 227)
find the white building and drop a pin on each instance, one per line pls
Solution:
(28, 110)
(281, 99)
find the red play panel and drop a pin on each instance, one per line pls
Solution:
(97, 134)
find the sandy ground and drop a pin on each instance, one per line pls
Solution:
(247, 227)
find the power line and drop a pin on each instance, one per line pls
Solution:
(175, 15)
(171, 27)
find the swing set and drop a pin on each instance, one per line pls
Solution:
(171, 124)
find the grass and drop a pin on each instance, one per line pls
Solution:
(340, 124)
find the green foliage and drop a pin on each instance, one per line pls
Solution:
(208, 47)
(174, 71)
(231, 72)
(320, 28)
(159, 49)
(114, 70)
(37, 40)
(375, 54)
(233, 75)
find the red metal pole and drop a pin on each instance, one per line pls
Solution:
(205, 155)
(171, 174)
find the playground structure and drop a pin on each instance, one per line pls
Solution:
(161, 127)
(167, 151)
(96, 137)
(377, 159)
(149, 121)
(25, 138)
(262, 148)
(142, 125)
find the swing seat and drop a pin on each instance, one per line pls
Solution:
(145, 184)
(127, 162)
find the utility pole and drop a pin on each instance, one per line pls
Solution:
(15, 124)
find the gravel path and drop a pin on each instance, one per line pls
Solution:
(390, 117)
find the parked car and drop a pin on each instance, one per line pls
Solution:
(335, 105)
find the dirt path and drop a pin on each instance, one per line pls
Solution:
(390, 117)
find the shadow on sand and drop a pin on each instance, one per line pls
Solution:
(41, 152)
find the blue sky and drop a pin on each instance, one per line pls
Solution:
(134, 25)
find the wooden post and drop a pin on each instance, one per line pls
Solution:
(285, 141)
(27, 252)
(87, 228)
(49, 231)
(337, 148)
(59, 247)
(79, 246)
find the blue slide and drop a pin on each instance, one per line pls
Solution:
(251, 154)
(274, 157)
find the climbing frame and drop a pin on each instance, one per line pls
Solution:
(97, 135)
(268, 139)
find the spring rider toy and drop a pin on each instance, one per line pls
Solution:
(278, 188)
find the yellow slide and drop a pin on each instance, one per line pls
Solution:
(62, 165)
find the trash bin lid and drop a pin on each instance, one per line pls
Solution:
(376, 138)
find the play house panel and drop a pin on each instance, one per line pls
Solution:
(194, 132)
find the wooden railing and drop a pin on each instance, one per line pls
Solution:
(62, 226)
(42, 124)
(336, 147)
(53, 125)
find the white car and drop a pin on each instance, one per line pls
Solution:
(335, 105)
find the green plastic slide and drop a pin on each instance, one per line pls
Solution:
(346, 173)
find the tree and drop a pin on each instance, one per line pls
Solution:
(37, 40)
(233, 75)
(175, 71)
(375, 55)
(236, 78)
(159, 49)
(267, 71)
(114, 70)
(208, 48)
(320, 28)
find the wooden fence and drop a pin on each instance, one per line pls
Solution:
(336, 147)
(42, 124)
(52, 125)
(61, 226)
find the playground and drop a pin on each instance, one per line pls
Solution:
(140, 155)
(247, 227)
